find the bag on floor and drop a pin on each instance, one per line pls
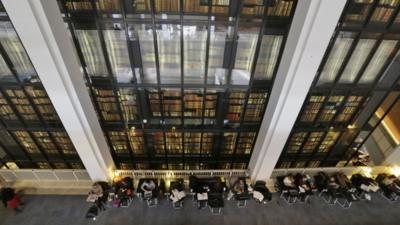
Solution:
(92, 212)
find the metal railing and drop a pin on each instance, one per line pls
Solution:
(43, 175)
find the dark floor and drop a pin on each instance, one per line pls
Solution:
(70, 210)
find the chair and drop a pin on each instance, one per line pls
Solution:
(152, 197)
(261, 187)
(289, 194)
(179, 186)
(215, 203)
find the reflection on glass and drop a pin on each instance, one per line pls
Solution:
(92, 52)
(357, 12)
(357, 60)
(154, 101)
(117, 50)
(168, 36)
(216, 72)
(193, 101)
(172, 102)
(381, 111)
(144, 34)
(5, 73)
(16, 52)
(295, 142)
(378, 61)
(127, 99)
(253, 7)
(228, 143)
(268, 57)
(328, 142)
(246, 47)
(207, 143)
(220, 6)
(336, 57)
(384, 10)
(174, 142)
(136, 141)
(194, 41)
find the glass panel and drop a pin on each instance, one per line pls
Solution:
(22, 104)
(246, 47)
(145, 37)
(349, 109)
(197, 6)
(312, 142)
(117, 50)
(127, 99)
(228, 143)
(107, 103)
(207, 143)
(336, 57)
(192, 143)
(45, 142)
(236, 104)
(281, 8)
(6, 112)
(136, 141)
(253, 7)
(42, 103)
(195, 43)
(63, 141)
(154, 102)
(109, 5)
(141, 6)
(330, 108)
(169, 50)
(27, 142)
(216, 71)
(119, 142)
(78, 5)
(268, 57)
(328, 142)
(193, 101)
(220, 6)
(167, 5)
(5, 72)
(295, 142)
(10, 144)
(380, 112)
(357, 60)
(172, 102)
(384, 10)
(16, 52)
(378, 61)
(255, 106)
(357, 12)
(245, 143)
(155, 140)
(312, 108)
(92, 52)
(174, 142)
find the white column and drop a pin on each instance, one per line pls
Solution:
(312, 27)
(40, 26)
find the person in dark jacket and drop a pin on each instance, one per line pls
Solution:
(10, 199)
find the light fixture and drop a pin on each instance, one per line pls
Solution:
(367, 171)
(396, 171)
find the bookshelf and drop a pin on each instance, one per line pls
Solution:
(45, 142)
(63, 141)
(127, 99)
(255, 106)
(245, 143)
(173, 141)
(235, 108)
(42, 103)
(312, 108)
(107, 103)
(22, 104)
(312, 142)
(24, 138)
(192, 142)
(330, 108)
(136, 140)
(350, 107)
(295, 142)
(228, 143)
(119, 142)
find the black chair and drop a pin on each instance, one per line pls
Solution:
(152, 200)
(289, 194)
(242, 198)
(386, 191)
(216, 203)
(261, 186)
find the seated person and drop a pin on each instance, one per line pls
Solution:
(239, 187)
(390, 182)
(303, 184)
(343, 181)
(333, 184)
(288, 181)
(147, 187)
(177, 192)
